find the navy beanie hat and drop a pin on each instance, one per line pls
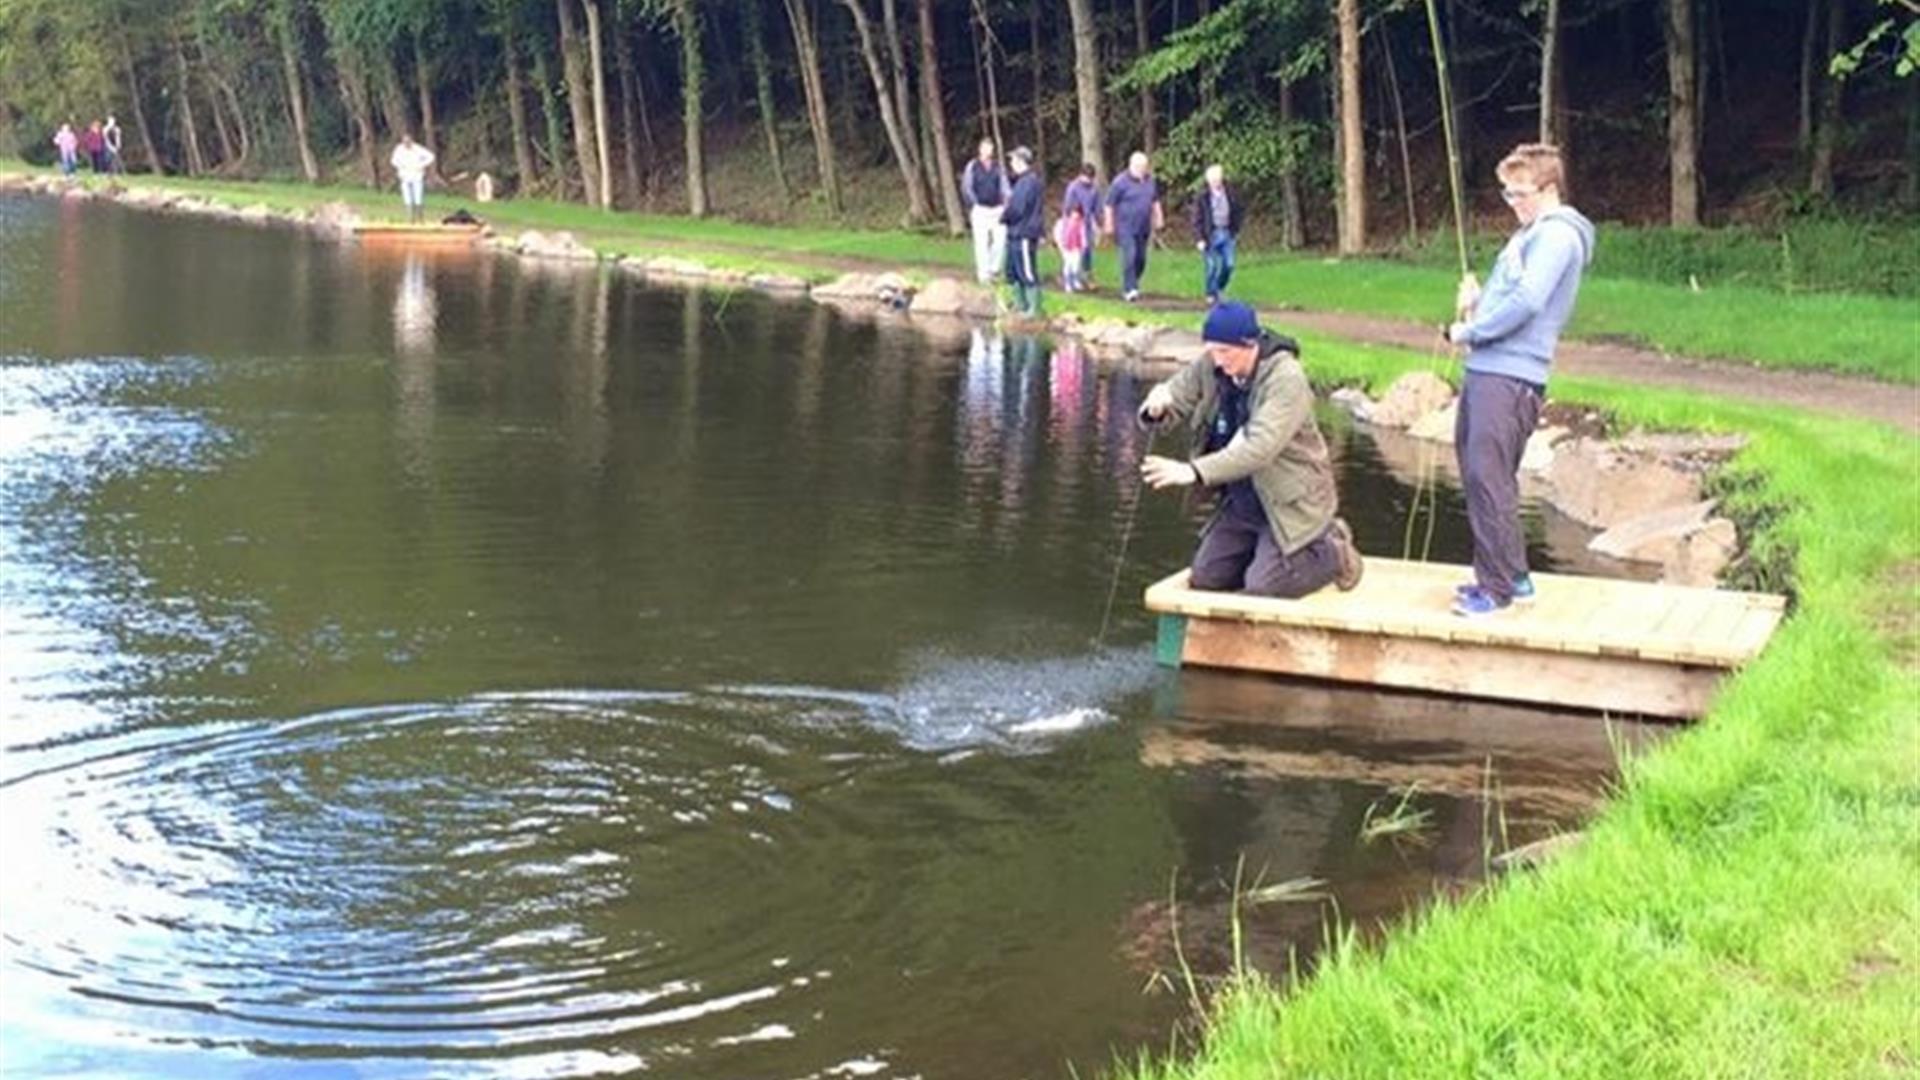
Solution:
(1231, 323)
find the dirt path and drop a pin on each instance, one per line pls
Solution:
(1852, 396)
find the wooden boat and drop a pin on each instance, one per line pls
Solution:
(425, 233)
(1590, 643)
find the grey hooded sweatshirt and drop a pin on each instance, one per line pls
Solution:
(1529, 297)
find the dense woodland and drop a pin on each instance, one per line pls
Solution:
(1327, 111)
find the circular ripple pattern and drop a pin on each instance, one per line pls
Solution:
(510, 876)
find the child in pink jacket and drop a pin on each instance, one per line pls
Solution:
(1070, 236)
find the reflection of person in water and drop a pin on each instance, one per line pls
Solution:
(415, 310)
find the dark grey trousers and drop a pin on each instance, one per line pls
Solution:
(1237, 555)
(1497, 414)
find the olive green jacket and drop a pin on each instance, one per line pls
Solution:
(1280, 448)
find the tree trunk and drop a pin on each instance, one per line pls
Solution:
(902, 92)
(229, 143)
(393, 103)
(1143, 42)
(296, 96)
(1683, 139)
(423, 89)
(1086, 85)
(1353, 164)
(918, 211)
(1292, 216)
(932, 96)
(528, 173)
(1550, 74)
(353, 87)
(579, 102)
(1826, 132)
(196, 164)
(242, 132)
(686, 23)
(807, 58)
(136, 95)
(599, 103)
(763, 95)
(1400, 132)
(629, 133)
(1808, 40)
(987, 46)
(550, 109)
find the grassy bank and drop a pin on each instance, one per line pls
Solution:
(1749, 902)
(1873, 335)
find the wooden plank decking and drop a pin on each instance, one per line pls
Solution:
(1593, 643)
(423, 233)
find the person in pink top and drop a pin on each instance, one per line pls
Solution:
(68, 144)
(1070, 236)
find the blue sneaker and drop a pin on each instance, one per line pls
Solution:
(1522, 589)
(1477, 603)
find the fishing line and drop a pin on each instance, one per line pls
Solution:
(1126, 538)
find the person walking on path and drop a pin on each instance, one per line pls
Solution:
(1510, 330)
(1024, 220)
(1133, 215)
(984, 187)
(1070, 236)
(112, 134)
(1249, 409)
(93, 143)
(1216, 227)
(410, 162)
(1083, 194)
(68, 144)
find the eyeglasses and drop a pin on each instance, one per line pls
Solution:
(1514, 195)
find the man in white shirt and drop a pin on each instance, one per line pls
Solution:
(410, 161)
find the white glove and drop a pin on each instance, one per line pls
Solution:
(1457, 333)
(1159, 400)
(1161, 472)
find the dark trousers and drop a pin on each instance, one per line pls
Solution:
(1237, 555)
(1496, 415)
(1023, 261)
(1133, 260)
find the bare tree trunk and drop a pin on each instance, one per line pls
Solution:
(229, 143)
(137, 95)
(763, 95)
(931, 96)
(353, 87)
(1086, 85)
(393, 103)
(599, 103)
(1142, 41)
(423, 88)
(1683, 138)
(1550, 74)
(629, 133)
(1353, 164)
(918, 211)
(1826, 133)
(1400, 131)
(196, 163)
(517, 111)
(1292, 216)
(550, 110)
(807, 58)
(988, 44)
(296, 95)
(686, 23)
(242, 133)
(579, 102)
(1038, 94)
(1804, 137)
(902, 91)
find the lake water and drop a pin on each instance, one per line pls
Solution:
(453, 666)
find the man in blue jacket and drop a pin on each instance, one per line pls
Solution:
(1133, 215)
(1025, 221)
(1510, 330)
(984, 187)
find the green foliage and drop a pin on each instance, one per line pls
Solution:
(1887, 42)
(1249, 140)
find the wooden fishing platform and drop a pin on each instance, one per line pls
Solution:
(425, 233)
(1591, 643)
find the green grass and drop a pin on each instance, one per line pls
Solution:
(1871, 335)
(1748, 904)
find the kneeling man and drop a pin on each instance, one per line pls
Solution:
(1249, 412)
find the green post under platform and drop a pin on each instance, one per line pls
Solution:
(1171, 640)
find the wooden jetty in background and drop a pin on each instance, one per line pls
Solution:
(1591, 643)
(421, 234)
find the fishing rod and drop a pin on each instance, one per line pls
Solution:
(1126, 538)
